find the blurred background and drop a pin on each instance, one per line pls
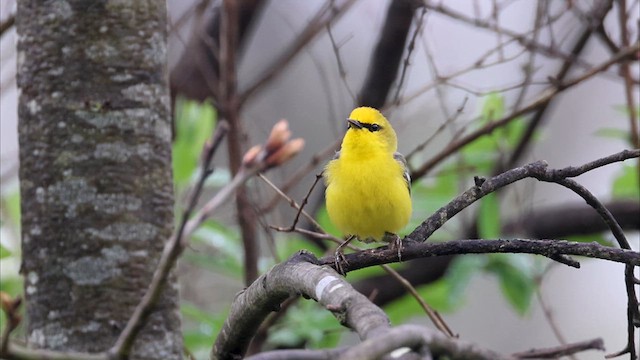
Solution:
(458, 67)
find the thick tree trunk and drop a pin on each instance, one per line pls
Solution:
(96, 184)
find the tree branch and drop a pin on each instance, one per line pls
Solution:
(572, 219)
(301, 276)
(548, 248)
(543, 99)
(597, 15)
(388, 54)
(328, 14)
(483, 187)
(564, 350)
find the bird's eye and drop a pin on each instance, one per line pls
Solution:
(374, 127)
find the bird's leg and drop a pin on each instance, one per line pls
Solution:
(395, 243)
(339, 256)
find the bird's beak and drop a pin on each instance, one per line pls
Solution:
(354, 123)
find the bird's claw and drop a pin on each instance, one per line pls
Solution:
(396, 244)
(339, 259)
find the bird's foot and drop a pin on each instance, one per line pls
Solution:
(339, 258)
(395, 243)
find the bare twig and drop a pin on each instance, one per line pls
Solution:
(545, 97)
(7, 24)
(559, 351)
(434, 316)
(548, 314)
(229, 106)
(527, 43)
(387, 55)
(545, 247)
(341, 69)
(597, 17)
(407, 60)
(326, 15)
(322, 155)
(625, 71)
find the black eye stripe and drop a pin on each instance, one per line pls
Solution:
(372, 127)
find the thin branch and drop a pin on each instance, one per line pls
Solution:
(572, 219)
(294, 178)
(544, 98)
(625, 71)
(564, 350)
(597, 17)
(326, 15)
(387, 55)
(522, 39)
(545, 247)
(405, 65)
(341, 69)
(433, 315)
(483, 187)
(548, 313)
(440, 128)
(7, 24)
(294, 204)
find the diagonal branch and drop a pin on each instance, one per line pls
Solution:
(387, 54)
(546, 247)
(300, 275)
(598, 14)
(328, 14)
(544, 98)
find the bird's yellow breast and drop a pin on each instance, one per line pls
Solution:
(367, 195)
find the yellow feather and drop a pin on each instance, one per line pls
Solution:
(367, 193)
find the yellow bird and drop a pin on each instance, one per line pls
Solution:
(368, 192)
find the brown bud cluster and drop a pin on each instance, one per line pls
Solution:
(278, 149)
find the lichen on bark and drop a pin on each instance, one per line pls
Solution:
(96, 184)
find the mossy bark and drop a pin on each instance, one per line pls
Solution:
(95, 174)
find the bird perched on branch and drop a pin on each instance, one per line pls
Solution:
(368, 192)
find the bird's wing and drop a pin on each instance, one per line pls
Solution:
(401, 160)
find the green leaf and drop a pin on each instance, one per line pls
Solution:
(514, 271)
(194, 125)
(444, 295)
(627, 184)
(306, 324)
(489, 217)
(200, 328)
(493, 107)
(624, 110)
(461, 272)
(4, 252)
(481, 154)
(613, 133)
(224, 242)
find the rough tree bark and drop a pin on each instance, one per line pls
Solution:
(96, 183)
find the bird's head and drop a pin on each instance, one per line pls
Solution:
(367, 127)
